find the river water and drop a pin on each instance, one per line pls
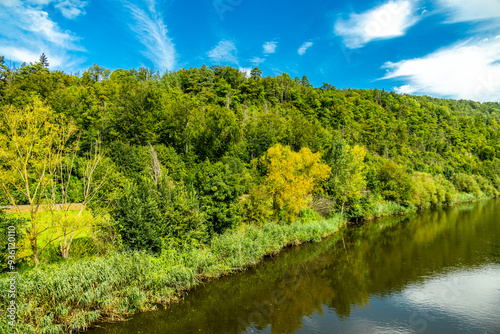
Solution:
(433, 272)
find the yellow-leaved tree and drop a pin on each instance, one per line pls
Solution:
(292, 178)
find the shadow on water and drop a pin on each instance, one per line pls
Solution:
(437, 271)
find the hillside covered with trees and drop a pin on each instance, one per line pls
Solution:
(166, 162)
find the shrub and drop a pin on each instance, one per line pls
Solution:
(219, 189)
(9, 222)
(466, 183)
(257, 206)
(445, 191)
(485, 186)
(424, 190)
(395, 183)
(149, 212)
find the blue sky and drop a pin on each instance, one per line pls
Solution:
(442, 48)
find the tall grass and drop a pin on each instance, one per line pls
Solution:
(70, 296)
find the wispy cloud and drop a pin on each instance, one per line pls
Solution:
(257, 60)
(224, 52)
(152, 32)
(303, 48)
(270, 47)
(469, 70)
(389, 20)
(470, 10)
(31, 31)
(71, 8)
(38, 22)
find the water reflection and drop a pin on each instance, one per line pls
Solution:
(432, 272)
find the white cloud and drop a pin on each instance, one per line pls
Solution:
(72, 8)
(304, 48)
(389, 20)
(31, 31)
(38, 21)
(469, 70)
(152, 32)
(246, 71)
(29, 56)
(257, 60)
(224, 52)
(40, 2)
(471, 10)
(270, 47)
(20, 54)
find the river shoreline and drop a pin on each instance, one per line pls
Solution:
(138, 282)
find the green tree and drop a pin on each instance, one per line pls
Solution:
(396, 183)
(219, 188)
(346, 180)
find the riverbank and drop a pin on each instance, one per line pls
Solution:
(387, 208)
(69, 297)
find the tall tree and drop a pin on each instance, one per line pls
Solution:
(346, 180)
(43, 61)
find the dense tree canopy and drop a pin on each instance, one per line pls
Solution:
(234, 149)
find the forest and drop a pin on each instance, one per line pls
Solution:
(130, 185)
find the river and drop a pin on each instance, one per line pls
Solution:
(437, 271)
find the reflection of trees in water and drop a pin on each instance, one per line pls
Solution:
(379, 258)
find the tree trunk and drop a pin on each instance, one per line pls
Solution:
(34, 248)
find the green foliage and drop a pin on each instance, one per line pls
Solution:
(219, 189)
(486, 187)
(445, 191)
(395, 183)
(257, 206)
(221, 132)
(148, 213)
(466, 183)
(346, 180)
(425, 191)
(131, 160)
(173, 163)
(13, 231)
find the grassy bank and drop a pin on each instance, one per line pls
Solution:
(388, 208)
(70, 296)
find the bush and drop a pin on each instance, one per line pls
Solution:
(446, 192)
(149, 212)
(220, 189)
(466, 183)
(424, 190)
(395, 183)
(485, 185)
(257, 206)
(9, 222)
